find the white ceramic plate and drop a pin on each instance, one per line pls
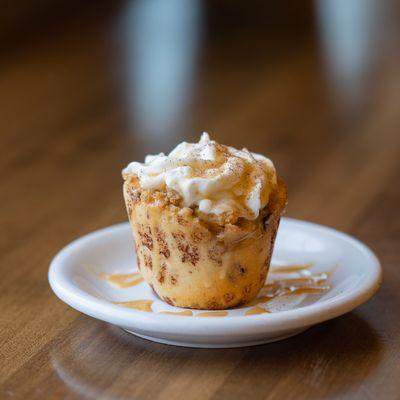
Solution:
(342, 272)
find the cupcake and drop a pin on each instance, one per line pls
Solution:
(204, 219)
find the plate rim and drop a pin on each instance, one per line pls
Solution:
(307, 315)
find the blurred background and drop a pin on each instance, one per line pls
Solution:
(88, 87)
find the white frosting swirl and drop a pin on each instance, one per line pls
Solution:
(214, 177)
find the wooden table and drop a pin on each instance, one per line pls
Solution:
(317, 90)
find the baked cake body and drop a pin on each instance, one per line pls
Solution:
(200, 260)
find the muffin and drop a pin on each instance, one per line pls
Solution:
(204, 219)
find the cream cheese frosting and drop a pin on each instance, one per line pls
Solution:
(216, 178)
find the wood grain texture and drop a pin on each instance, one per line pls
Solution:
(82, 97)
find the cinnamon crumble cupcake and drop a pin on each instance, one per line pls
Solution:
(204, 219)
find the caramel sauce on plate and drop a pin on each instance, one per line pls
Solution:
(122, 280)
(308, 290)
(186, 313)
(142, 305)
(256, 310)
(212, 314)
(306, 283)
(315, 284)
(290, 268)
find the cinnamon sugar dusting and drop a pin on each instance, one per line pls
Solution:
(189, 252)
(162, 243)
(148, 261)
(145, 236)
(162, 273)
(215, 178)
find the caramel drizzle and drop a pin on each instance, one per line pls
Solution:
(141, 305)
(122, 281)
(256, 310)
(212, 314)
(306, 284)
(317, 279)
(312, 284)
(287, 269)
(186, 313)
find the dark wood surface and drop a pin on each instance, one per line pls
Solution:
(315, 89)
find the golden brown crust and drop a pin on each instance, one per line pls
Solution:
(196, 262)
